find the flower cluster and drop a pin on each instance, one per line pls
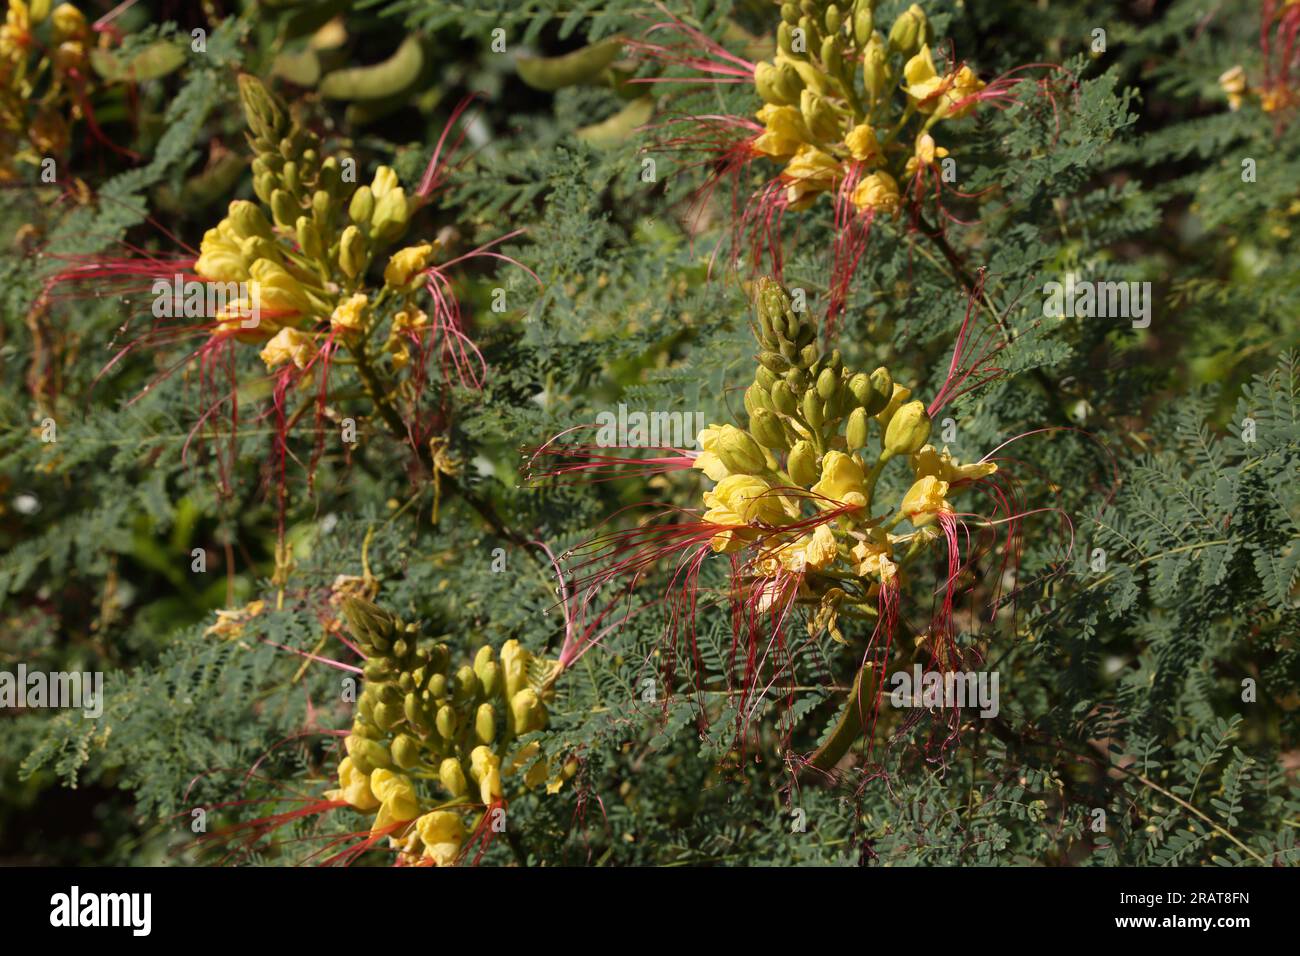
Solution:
(1276, 91)
(797, 487)
(43, 80)
(419, 720)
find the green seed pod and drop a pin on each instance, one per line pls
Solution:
(812, 409)
(802, 463)
(405, 751)
(362, 206)
(586, 65)
(485, 724)
(828, 384)
(452, 776)
(379, 81)
(908, 430)
(883, 385)
(446, 722)
(352, 252)
(855, 432)
(783, 398)
(766, 429)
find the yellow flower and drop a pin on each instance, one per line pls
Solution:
(1233, 83)
(396, 796)
(878, 192)
(347, 317)
(925, 155)
(962, 85)
(740, 502)
(406, 263)
(288, 344)
(875, 555)
(809, 174)
(901, 394)
(862, 143)
(816, 550)
(442, 834)
(354, 787)
(385, 181)
(943, 466)
(726, 450)
(842, 481)
(485, 768)
(925, 500)
(277, 292)
(785, 131)
(220, 258)
(923, 81)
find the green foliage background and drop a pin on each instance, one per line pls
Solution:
(1122, 689)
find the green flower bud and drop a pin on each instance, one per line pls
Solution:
(764, 377)
(855, 432)
(774, 361)
(875, 68)
(391, 215)
(766, 81)
(864, 22)
(367, 755)
(369, 624)
(266, 118)
(787, 83)
(352, 252)
(883, 385)
(490, 679)
(387, 716)
(446, 721)
(739, 452)
(289, 176)
(802, 463)
(309, 238)
(833, 19)
(247, 219)
(406, 751)
(832, 55)
(527, 711)
(437, 685)
(412, 709)
(790, 13)
(783, 398)
(362, 206)
(812, 409)
(284, 209)
(264, 185)
(330, 177)
(766, 429)
(482, 659)
(452, 776)
(485, 724)
(909, 31)
(756, 396)
(819, 116)
(908, 430)
(828, 384)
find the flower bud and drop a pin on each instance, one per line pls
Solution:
(515, 659)
(783, 398)
(405, 266)
(910, 30)
(864, 22)
(284, 209)
(370, 624)
(819, 116)
(391, 215)
(446, 721)
(485, 724)
(766, 429)
(490, 679)
(828, 384)
(883, 385)
(367, 755)
(69, 24)
(756, 396)
(309, 240)
(527, 710)
(908, 430)
(362, 206)
(266, 118)
(452, 776)
(855, 432)
(767, 82)
(738, 451)
(247, 220)
(802, 463)
(875, 68)
(352, 252)
(406, 751)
